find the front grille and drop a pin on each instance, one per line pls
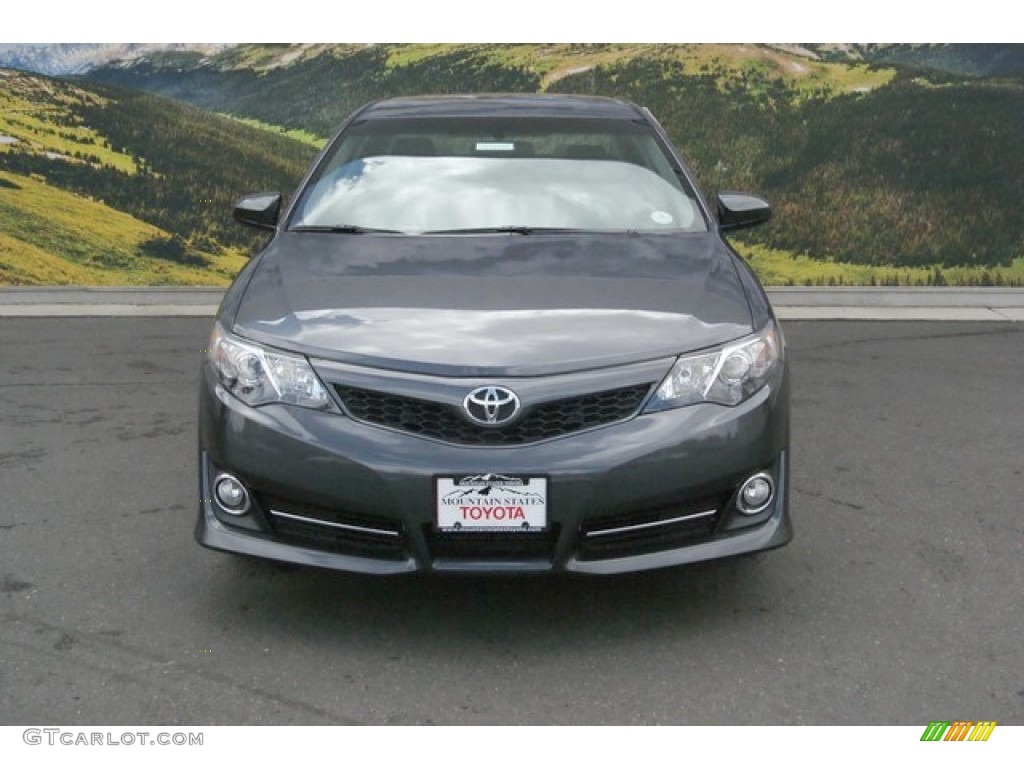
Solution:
(490, 547)
(652, 530)
(343, 533)
(445, 422)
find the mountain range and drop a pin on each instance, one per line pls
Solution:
(976, 59)
(867, 163)
(76, 58)
(880, 169)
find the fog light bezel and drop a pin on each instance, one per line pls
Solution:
(233, 511)
(741, 504)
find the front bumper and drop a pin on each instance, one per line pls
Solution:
(654, 491)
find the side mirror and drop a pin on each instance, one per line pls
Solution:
(260, 210)
(739, 210)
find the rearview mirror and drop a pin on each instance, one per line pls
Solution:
(260, 210)
(738, 210)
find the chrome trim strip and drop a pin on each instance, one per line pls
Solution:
(652, 524)
(342, 526)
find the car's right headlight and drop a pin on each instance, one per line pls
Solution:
(727, 375)
(257, 375)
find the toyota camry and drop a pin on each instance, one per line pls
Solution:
(496, 334)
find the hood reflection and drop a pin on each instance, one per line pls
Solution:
(493, 340)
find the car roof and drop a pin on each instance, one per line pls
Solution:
(501, 105)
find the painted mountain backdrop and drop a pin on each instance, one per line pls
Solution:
(76, 58)
(885, 163)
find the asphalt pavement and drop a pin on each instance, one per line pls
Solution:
(899, 601)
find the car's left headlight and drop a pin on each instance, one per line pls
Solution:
(257, 375)
(727, 375)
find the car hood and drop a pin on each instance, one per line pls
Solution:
(513, 305)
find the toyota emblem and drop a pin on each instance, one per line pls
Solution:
(491, 406)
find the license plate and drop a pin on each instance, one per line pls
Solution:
(491, 502)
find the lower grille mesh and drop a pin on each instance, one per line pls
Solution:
(321, 528)
(654, 530)
(492, 546)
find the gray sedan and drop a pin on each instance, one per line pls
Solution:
(496, 334)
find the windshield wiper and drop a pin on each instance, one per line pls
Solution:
(343, 229)
(512, 229)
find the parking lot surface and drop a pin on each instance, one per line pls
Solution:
(899, 601)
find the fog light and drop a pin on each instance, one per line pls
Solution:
(231, 494)
(756, 494)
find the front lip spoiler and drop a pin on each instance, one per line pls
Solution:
(773, 533)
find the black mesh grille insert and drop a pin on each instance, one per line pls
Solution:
(492, 546)
(652, 530)
(311, 526)
(445, 422)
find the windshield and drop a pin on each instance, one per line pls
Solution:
(472, 175)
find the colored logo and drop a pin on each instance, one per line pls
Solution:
(958, 730)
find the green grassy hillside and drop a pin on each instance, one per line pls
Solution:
(38, 117)
(99, 185)
(973, 59)
(913, 173)
(49, 236)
